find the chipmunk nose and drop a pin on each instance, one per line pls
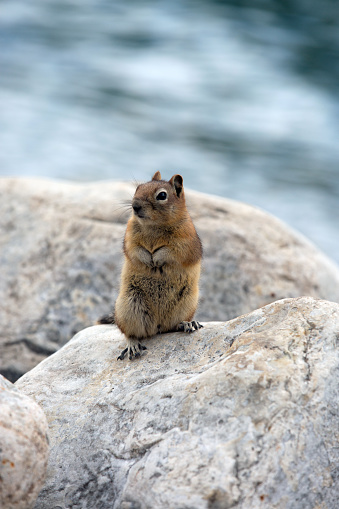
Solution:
(136, 207)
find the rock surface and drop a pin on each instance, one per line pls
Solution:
(241, 414)
(61, 246)
(23, 448)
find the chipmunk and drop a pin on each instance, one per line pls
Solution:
(160, 276)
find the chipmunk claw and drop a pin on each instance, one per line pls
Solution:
(122, 355)
(189, 326)
(133, 349)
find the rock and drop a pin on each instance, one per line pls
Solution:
(61, 245)
(242, 414)
(23, 448)
(251, 259)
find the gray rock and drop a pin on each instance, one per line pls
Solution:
(61, 246)
(23, 448)
(252, 259)
(242, 414)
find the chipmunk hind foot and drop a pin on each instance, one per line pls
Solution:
(133, 350)
(189, 326)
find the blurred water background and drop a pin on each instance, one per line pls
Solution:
(240, 97)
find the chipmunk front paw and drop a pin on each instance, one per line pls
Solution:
(189, 326)
(134, 349)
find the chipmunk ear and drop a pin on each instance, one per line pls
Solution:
(178, 184)
(156, 176)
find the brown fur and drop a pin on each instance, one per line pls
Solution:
(160, 277)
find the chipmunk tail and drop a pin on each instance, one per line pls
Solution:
(106, 319)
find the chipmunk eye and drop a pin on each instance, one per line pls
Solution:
(162, 195)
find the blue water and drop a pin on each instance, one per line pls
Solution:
(242, 101)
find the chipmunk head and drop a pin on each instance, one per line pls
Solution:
(159, 201)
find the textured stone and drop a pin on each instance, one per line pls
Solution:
(23, 448)
(242, 414)
(61, 247)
